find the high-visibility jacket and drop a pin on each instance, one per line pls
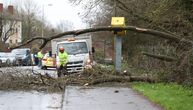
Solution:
(40, 55)
(63, 58)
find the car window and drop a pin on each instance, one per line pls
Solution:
(2, 54)
(21, 51)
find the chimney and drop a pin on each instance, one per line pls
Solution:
(1, 7)
(10, 9)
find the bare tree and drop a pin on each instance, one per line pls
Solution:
(65, 25)
(30, 24)
(8, 26)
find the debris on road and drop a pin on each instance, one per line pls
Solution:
(15, 79)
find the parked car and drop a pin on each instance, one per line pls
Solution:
(11, 59)
(23, 56)
(3, 58)
(0, 63)
(48, 61)
(7, 59)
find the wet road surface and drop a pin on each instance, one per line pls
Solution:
(30, 101)
(76, 98)
(105, 98)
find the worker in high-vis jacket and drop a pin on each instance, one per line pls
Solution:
(40, 57)
(63, 59)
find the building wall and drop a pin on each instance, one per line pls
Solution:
(10, 20)
(16, 33)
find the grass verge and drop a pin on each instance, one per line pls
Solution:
(169, 96)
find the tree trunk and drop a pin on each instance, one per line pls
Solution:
(160, 34)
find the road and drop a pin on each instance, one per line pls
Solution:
(76, 98)
(73, 98)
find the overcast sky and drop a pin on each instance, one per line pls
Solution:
(57, 10)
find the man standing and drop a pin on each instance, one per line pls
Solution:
(63, 59)
(40, 57)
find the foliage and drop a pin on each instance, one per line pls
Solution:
(169, 96)
(99, 55)
(171, 16)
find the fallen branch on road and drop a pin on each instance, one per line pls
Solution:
(122, 79)
(156, 33)
(97, 75)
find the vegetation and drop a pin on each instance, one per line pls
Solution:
(34, 23)
(16, 79)
(170, 96)
(170, 16)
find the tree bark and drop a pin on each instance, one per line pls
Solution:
(156, 33)
(122, 79)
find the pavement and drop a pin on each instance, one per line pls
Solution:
(76, 98)
(73, 98)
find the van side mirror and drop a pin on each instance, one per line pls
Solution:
(93, 50)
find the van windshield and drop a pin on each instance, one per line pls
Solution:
(74, 47)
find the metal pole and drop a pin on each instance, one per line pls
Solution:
(117, 46)
(118, 53)
(115, 8)
(43, 20)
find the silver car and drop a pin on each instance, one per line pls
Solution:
(3, 57)
(11, 59)
(0, 63)
(23, 56)
(7, 58)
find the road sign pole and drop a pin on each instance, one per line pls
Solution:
(118, 52)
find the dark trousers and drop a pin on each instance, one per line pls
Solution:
(62, 70)
(39, 62)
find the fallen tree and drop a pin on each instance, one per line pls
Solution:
(17, 79)
(182, 62)
(156, 33)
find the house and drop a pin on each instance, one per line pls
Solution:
(11, 31)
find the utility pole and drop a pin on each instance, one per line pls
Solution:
(115, 8)
(43, 15)
(117, 45)
(43, 20)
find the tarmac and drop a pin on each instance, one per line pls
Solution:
(77, 98)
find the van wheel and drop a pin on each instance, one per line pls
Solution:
(44, 67)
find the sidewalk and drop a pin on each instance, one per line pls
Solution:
(105, 98)
(76, 98)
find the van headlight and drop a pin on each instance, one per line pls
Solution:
(88, 61)
(88, 64)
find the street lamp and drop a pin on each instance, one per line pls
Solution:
(43, 18)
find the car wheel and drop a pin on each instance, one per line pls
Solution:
(14, 63)
(8, 62)
(17, 62)
(0, 63)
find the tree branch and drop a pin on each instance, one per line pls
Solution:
(160, 57)
(45, 40)
(160, 34)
